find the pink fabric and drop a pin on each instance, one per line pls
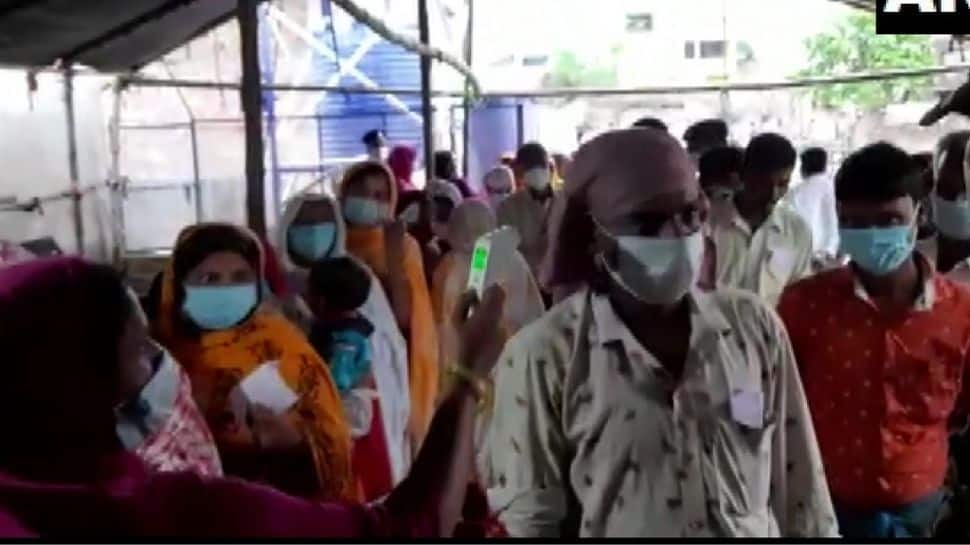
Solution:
(184, 442)
(401, 162)
(611, 176)
(64, 473)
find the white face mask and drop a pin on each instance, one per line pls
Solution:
(952, 218)
(537, 179)
(658, 271)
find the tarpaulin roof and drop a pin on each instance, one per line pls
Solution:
(107, 35)
(116, 35)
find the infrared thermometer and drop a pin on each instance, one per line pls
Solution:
(479, 264)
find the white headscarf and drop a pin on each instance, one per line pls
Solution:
(390, 350)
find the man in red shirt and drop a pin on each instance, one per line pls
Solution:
(882, 346)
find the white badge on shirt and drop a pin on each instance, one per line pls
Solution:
(781, 262)
(748, 408)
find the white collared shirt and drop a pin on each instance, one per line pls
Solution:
(587, 412)
(814, 201)
(765, 261)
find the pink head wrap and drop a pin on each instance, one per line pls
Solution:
(611, 176)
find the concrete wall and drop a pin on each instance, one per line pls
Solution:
(34, 160)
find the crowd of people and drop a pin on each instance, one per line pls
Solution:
(671, 343)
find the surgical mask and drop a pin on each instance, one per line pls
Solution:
(143, 416)
(658, 271)
(952, 218)
(879, 250)
(220, 307)
(537, 179)
(365, 212)
(312, 242)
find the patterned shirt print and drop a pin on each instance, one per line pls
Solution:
(595, 439)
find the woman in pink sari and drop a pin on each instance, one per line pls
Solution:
(65, 326)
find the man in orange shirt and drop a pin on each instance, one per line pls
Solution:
(882, 346)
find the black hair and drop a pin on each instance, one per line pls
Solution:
(651, 123)
(719, 163)
(814, 161)
(531, 155)
(706, 133)
(373, 138)
(878, 173)
(768, 152)
(444, 165)
(924, 159)
(362, 170)
(342, 282)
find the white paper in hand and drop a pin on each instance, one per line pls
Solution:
(748, 408)
(265, 386)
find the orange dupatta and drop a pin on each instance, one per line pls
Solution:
(217, 361)
(367, 244)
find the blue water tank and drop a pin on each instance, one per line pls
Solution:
(346, 117)
(494, 129)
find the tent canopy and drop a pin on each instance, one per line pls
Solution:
(116, 35)
(107, 35)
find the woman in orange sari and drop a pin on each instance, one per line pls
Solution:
(368, 197)
(287, 428)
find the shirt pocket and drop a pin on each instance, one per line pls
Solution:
(923, 387)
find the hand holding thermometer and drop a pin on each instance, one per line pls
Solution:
(479, 264)
(491, 250)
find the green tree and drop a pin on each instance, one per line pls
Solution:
(570, 71)
(853, 46)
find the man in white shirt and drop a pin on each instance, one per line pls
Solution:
(814, 201)
(761, 247)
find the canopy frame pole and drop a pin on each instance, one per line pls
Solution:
(469, 55)
(116, 185)
(251, 91)
(427, 112)
(73, 166)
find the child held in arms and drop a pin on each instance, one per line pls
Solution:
(337, 288)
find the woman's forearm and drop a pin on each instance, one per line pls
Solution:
(440, 474)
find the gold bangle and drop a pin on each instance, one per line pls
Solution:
(476, 383)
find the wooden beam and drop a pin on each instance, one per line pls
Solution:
(252, 104)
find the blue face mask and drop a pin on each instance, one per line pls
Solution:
(364, 212)
(312, 242)
(220, 307)
(879, 250)
(952, 218)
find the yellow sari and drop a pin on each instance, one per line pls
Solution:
(218, 361)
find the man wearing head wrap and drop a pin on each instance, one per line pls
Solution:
(642, 406)
(762, 247)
